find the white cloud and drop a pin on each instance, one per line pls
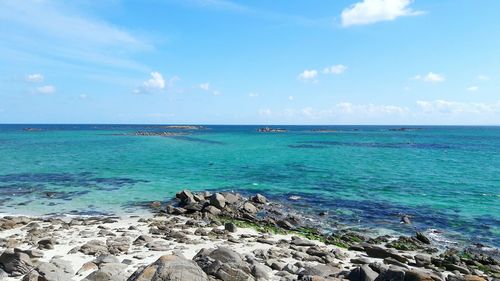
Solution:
(83, 96)
(253, 95)
(156, 82)
(335, 69)
(216, 93)
(372, 11)
(430, 77)
(205, 86)
(47, 89)
(483, 77)
(454, 107)
(308, 75)
(291, 98)
(473, 89)
(36, 77)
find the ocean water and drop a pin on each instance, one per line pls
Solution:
(446, 178)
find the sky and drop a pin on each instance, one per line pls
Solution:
(421, 62)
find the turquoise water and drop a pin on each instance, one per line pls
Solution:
(446, 178)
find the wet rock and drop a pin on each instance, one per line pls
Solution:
(218, 200)
(15, 263)
(405, 219)
(170, 267)
(259, 199)
(185, 196)
(231, 227)
(109, 272)
(422, 238)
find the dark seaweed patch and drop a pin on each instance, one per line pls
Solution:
(198, 140)
(307, 146)
(381, 145)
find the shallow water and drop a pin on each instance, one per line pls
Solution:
(446, 178)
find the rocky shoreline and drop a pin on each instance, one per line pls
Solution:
(221, 236)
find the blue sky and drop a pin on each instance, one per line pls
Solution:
(250, 62)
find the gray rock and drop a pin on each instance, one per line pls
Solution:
(102, 259)
(86, 268)
(249, 208)
(362, 273)
(224, 264)
(109, 272)
(259, 199)
(15, 263)
(158, 245)
(3, 274)
(218, 200)
(94, 248)
(360, 260)
(382, 253)
(392, 274)
(142, 240)
(56, 270)
(297, 241)
(417, 275)
(260, 272)
(422, 260)
(395, 262)
(118, 245)
(212, 210)
(185, 196)
(170, 267)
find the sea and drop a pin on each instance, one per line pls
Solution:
(446, 179)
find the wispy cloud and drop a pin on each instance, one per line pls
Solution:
(52, 31)
(46, 90)
(230, 6)
(36, 77)
(473, 88)
(335, 69)
(430, 77)
(156, 82)
(483, 77)
(372, 11)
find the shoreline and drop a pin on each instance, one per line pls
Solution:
(263, 244)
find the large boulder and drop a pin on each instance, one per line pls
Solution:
(94, 248)
(55, 270)
(15, 263)
(224, 264)
(185, 196)
(170, 267)
(218, 200)
(382, 253)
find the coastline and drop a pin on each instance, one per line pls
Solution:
(262, 243)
